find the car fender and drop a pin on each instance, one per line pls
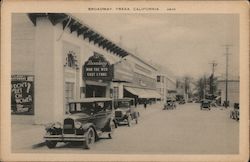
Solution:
(87, 126)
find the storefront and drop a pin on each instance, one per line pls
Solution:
(56, 58)
(97, 75)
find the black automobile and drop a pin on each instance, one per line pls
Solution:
(182, 101)
(170, 104)
(125, 112)
(88, 120)
(205, 104)
(235, 113)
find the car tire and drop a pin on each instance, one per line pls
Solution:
(112, 126)
(50, 144)
(89, 138)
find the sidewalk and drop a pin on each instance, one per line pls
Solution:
(26, 136)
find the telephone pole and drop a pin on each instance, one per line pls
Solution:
(227, 55)
(214, 64)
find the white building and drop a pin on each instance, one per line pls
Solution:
(55, 58)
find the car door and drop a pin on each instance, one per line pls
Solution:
(100, 115)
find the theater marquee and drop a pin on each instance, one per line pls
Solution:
(97, 68)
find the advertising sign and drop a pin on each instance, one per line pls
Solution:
(123, 72)
(97, 68)
(22, 94)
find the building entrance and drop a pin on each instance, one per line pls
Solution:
(95, 91)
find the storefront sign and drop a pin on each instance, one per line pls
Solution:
(97, 68)
(123, 72)
(22, 94)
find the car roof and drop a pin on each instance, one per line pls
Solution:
(124, 99)
(94, 99)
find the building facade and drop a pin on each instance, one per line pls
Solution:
(57, 58)
(166, 86)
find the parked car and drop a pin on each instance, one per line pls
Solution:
(190, 100)
(235, 113)
(125, 112)
(182, 101)
(170, 104)
(87, 120)
(205, 104)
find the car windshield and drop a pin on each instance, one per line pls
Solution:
(89, 107)
(123, 104)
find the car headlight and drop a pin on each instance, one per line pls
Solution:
(58, 125)
(78, 125)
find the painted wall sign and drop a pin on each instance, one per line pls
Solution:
(123, 71)
(22, 94)
(97, 68)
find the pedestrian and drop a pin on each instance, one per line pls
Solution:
(145, 104)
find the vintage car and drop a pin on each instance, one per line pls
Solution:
(170, 104)
(88, 119)
(182, 101)
(235, 113)
(190, 100)
(205, 104)
(125, 112)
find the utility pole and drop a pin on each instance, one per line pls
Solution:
(227, 55)
(214, 64)
(204, 87)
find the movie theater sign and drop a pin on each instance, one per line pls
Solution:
(97, 68)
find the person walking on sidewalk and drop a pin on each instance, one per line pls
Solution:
(145, 104)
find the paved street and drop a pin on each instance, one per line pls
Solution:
(185, 130)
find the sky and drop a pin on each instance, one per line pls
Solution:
(185, 44)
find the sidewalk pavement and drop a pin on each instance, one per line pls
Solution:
(27, 136)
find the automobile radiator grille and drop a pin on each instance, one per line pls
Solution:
(68, 126)
(118, 114)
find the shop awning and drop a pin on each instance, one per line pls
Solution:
(152, 93)
(135, 91)
(143, 93)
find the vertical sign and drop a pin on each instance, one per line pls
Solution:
(22, 94)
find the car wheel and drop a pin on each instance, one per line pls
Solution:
(112, 126)
(129, 120)
(50, 144)
(89, 138)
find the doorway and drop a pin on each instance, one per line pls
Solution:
(95, 91)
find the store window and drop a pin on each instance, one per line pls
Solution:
(69, 92)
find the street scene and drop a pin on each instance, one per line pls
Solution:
(125, 83)
(184, 130)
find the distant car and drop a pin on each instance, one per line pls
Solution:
(190, 100)
(125, 112)
(205, 104)
(235, 113)
(170, 104)
(88, 119)
(182, 101)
